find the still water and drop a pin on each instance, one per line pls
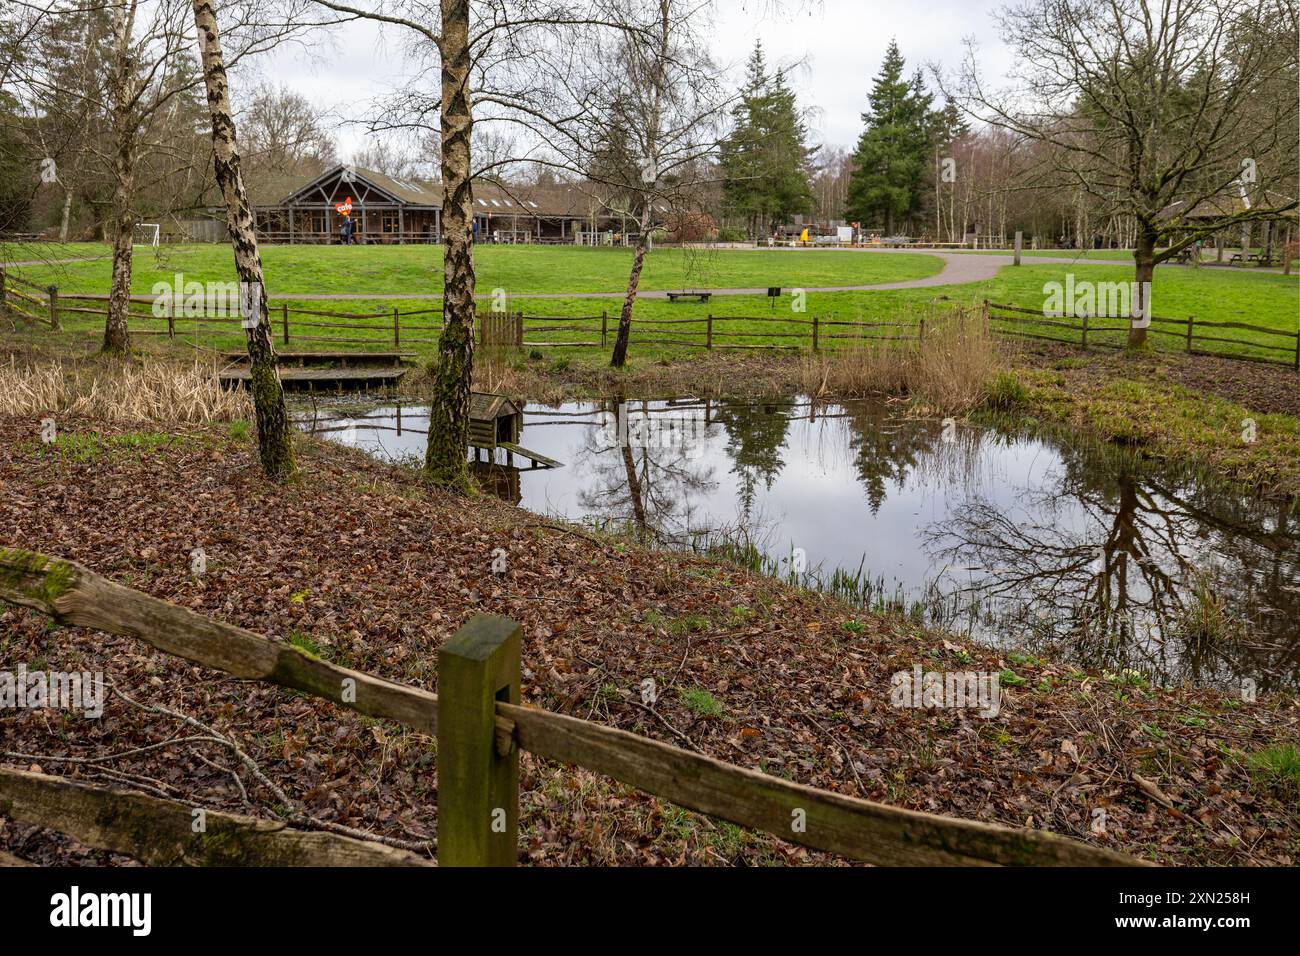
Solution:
(1034, 544)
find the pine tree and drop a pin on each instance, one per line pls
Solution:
(740, 157)
(766, 158)
(789, 157)
(888, 184)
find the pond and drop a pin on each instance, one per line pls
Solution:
(1040, 545)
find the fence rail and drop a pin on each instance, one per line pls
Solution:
(1187, 331)
(501, 331)
(481, 727)
(113, 819)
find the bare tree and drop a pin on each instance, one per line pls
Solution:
(282, 133)
(148, 104)
(639, 118)
(274, 439)
(1180, 114)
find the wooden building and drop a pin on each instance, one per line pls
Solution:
(388, 210)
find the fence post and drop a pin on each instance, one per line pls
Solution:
(921, 336)
(1297, 352)
(397, 334)
(171, 320)
(284, 320)
(1083, 338)
(708, 332)
(519, 329)
(1191, 320)
(604, 326)
(53, 293)
(4, 302)
(478, 783)
(814, 331)
(985, 313)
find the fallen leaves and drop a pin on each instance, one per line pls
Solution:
(378, 572)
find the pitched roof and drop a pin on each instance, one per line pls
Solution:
(560, 199)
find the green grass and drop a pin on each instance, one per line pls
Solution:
(518, 270)
(1122, 254)
(1276, 767)
(85, 448)
(1209, 294)
(1202, 431)
(702, 702)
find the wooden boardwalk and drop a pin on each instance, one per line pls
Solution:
(322, 379)
(331, 358)
(324, 371)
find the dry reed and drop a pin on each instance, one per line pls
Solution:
(122, 391)
(948, 372)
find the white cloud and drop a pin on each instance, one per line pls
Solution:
(837, 46)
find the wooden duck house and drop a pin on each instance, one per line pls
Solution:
(494, 420)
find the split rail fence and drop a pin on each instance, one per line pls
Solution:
(46, 307)
(481, 728)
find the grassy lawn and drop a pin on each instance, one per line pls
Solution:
(298, 270)
(1219, 295)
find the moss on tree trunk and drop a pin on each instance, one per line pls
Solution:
(1144, 272)
(274, 432)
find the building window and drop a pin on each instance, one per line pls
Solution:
(389, 223)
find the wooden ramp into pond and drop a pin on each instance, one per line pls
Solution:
(324, 371)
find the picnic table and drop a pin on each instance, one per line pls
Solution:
(1251, 257)
(700, 296)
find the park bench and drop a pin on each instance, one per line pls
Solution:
(699, 296)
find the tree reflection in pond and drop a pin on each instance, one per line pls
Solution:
(1177, 582)
(1034, 543)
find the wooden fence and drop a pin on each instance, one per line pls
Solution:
(501, 331)
(481, 728)
(1189, 333)
(37, 305)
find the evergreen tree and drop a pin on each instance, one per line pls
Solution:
(740, 152)
(888, 184)
(766, 159)
(789, 158)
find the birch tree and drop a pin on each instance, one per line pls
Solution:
(462, 36)
(145, 103)
(274, 438)
(639, 115)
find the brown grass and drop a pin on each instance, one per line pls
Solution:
(148, 390)
(949, 372)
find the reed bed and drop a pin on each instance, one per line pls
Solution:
(144, 391)
(949, 371)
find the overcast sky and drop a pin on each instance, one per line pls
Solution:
(838, 45)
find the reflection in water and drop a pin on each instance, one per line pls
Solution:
(1069, 549)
